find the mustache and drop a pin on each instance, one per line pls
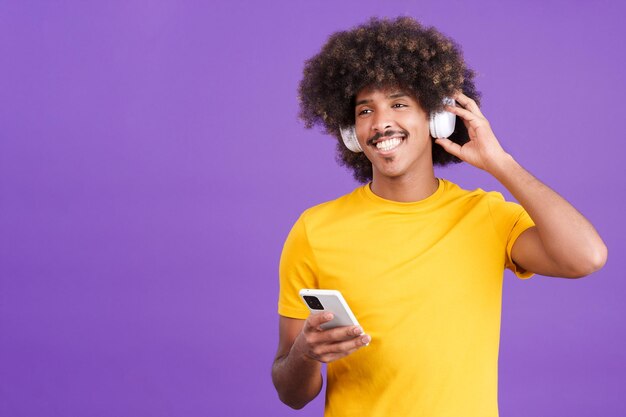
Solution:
(386, 133)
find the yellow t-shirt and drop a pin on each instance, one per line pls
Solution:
(424, 279)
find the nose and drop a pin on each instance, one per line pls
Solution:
(382, 121)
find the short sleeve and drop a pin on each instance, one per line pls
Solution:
(510, 220)
(297, 270)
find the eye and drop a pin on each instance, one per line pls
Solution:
(398, 105)
(364, 111)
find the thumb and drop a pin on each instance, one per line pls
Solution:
(449, 146)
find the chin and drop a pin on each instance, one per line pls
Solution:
(391, 174)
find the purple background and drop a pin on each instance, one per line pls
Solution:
(152, 163)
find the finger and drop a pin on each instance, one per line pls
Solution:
(343, 348)
(330, 357)
(462, 113)
(314, 321)
(468, 103)
(449, 146)
(469, 119)
(349, 345)
(339, 334)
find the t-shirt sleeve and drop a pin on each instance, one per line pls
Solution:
(510, 220)
(297, 270)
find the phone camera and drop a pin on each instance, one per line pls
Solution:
(313, 302)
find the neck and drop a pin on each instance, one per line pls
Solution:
(406, 188)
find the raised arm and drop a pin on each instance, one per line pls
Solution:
(563, 243)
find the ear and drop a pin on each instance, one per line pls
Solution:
(348, 135)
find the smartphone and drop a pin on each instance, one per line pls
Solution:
(329, 300)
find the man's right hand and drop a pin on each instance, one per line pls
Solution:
(302, 347)
(328, 345)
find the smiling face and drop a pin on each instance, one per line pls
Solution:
(393, 131)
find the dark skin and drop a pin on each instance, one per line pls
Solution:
(562, 244)
(302, 348)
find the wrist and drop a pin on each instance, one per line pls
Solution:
(500, 165)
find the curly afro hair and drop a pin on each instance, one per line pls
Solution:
(378, 54)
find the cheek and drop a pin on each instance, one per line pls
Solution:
(422, 128)
(362, 132)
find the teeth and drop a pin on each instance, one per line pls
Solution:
(388, 144)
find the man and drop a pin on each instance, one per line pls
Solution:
(419, 260)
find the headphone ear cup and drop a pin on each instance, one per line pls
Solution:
(442, 123)
(348, 135)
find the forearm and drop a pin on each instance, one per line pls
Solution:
(568, 238)
(297, 378)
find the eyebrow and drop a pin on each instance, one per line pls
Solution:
(394, 95)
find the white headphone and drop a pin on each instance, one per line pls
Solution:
(441, 126)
